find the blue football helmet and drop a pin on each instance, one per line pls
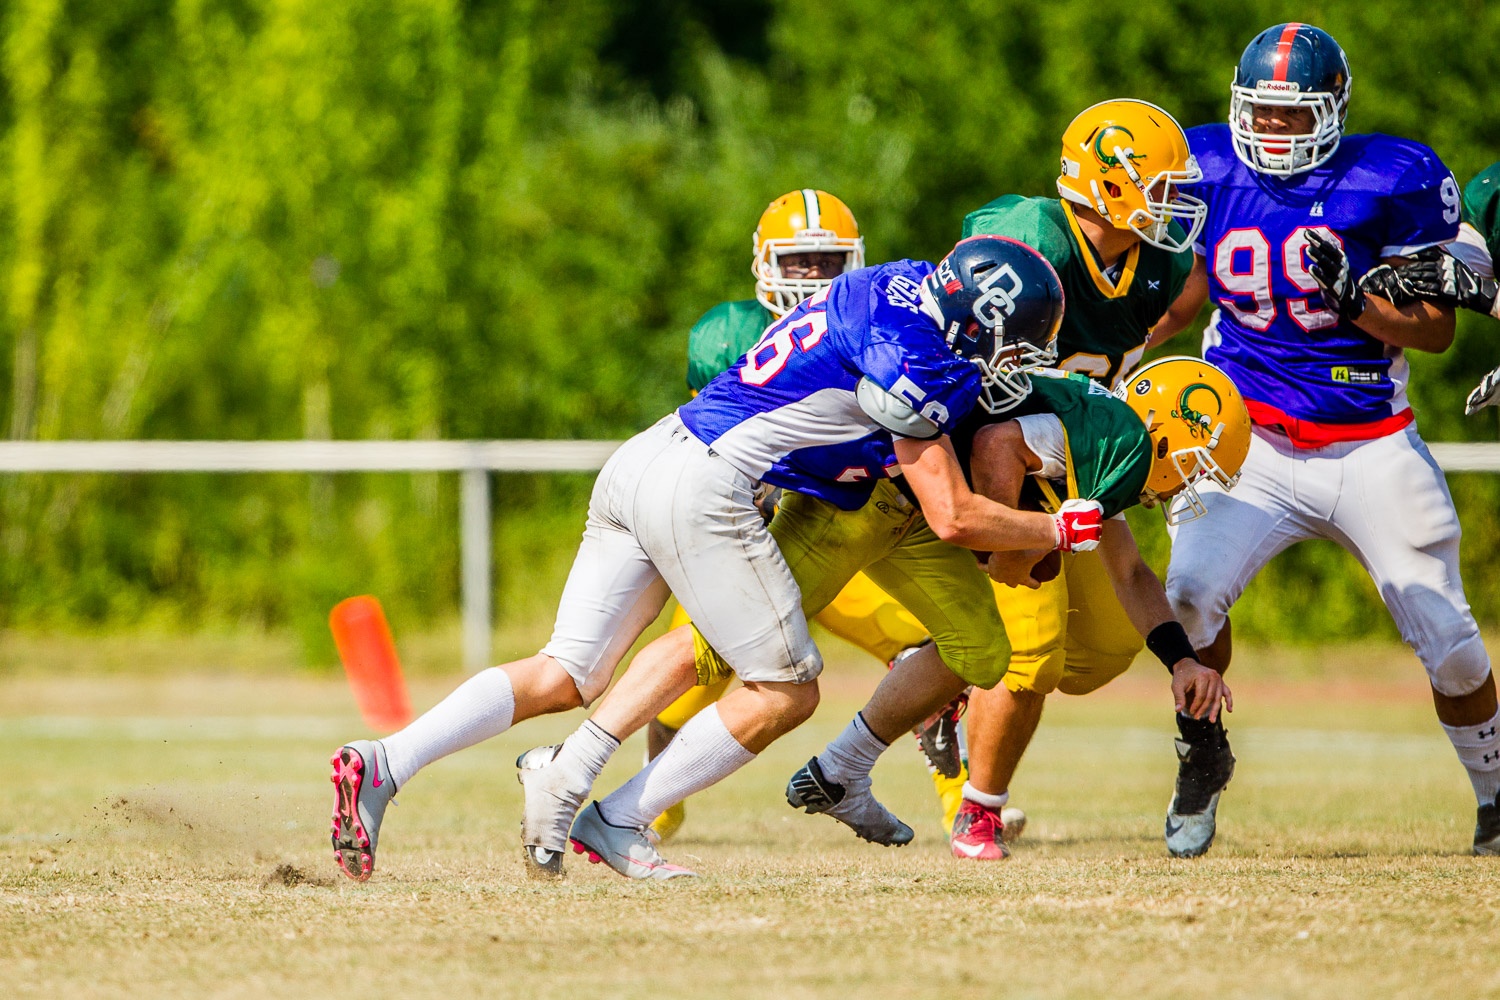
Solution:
(1290, 66)
(999, 304)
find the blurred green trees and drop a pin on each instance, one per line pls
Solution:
(435, 218)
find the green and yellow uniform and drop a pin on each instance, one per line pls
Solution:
(1107, 319)
(1482, 206)
(1071, 634)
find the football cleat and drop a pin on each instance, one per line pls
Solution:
(625, 849)
(938, 737)
(1487, 830)
(1202, 773)
(363, 788)
(978, 833)
(853, 806)
(664, 827)
(552, 800)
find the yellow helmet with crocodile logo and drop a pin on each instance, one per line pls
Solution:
(1198, 426)
(1126, 160)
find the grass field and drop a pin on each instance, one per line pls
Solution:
(166, 835)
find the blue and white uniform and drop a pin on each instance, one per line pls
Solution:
(673, 509)
(787, 413)
(1335, 452)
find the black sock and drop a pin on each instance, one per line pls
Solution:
(1201, 732)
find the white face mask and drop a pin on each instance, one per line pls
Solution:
(1283, 155)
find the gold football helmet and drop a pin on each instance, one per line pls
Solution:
(804, 221)
(1126, 160)
(1199, 429)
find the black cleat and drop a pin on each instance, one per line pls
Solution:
(1203, 771)
(1487, 830)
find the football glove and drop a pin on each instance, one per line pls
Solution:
(1484, 394)
(1442, 278)
(1079, 525)
(1330, 269)
(1390, 284)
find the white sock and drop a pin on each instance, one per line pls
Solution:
(703, 752)
(586, 752)
(852, 756)
(480, 707)
(1478, 748)
(995, 802)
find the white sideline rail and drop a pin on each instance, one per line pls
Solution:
(474, 460)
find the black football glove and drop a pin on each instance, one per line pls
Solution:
(1330, 269)
(1389, 283)
(1486, 393)
(1440, 277)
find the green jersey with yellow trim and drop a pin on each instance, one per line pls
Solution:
(722, 337)
(1108, 450)
(1107, 318)
(1482, 206)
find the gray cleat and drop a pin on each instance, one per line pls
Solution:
(625, 849)
(1202, 774)
(1487, 830)
(854, 806)
(363, 788)
(552, 800)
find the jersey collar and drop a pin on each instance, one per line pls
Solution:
(1107, 288)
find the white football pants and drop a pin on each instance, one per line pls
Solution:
(669, 515)
(1384, 500)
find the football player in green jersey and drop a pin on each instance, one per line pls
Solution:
(1465, 275)
(1070, 439)
(1119, 238)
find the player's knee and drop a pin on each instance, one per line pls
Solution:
(1197, 602)
(543, 685)
(1457, 667)
(981, 664)
(1036, 671)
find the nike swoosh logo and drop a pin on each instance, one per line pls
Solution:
(1172, 828)
(972, 850)
(377, 782)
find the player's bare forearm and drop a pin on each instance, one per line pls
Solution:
(957, 514)
(1185, 308)
(1139, 590)
(1422, 326)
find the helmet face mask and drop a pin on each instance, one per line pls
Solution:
(999, 304)
(1127, 160)
(1199, 430)
(801, 222)
(1290, 66)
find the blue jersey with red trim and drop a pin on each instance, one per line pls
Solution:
(1380, 197)
(786, 413)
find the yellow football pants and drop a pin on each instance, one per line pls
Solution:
(1069, 635)
(862, 614)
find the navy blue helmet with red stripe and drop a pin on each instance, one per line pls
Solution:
(1289, 66)
(999, 304)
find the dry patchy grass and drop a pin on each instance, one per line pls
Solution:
(168, 837)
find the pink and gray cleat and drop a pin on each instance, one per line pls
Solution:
(625, 849)
(978, 833)
(363, 788)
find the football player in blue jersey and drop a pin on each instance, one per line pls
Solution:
(1304, 225)
(856, 381)
(842, 513)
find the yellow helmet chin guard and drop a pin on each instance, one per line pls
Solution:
(1199, 429)
(805, 221)
(1125, 160)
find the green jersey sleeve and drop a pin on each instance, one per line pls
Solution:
(722, 337)
(1482, 206)
(1108, 449)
